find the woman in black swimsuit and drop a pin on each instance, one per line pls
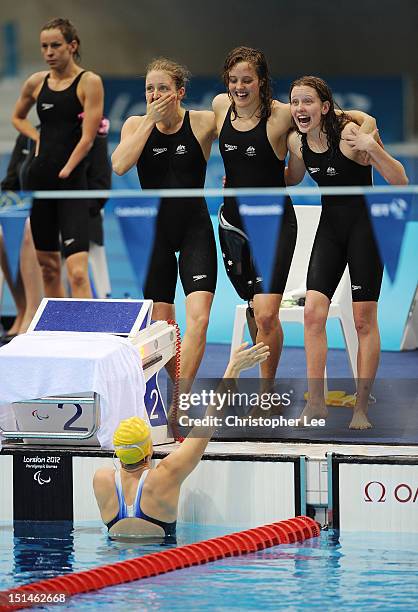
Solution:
(61, 95)
(328, 146)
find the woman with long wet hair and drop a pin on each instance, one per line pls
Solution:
(335, 153)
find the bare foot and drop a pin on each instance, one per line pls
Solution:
(313, 411)
(360, 421)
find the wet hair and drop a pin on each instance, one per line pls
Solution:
(178, 73)
(258, 61)
(67, 29)
(331, 123)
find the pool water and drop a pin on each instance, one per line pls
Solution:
(346, 571)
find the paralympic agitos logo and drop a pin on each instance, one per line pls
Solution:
(402, 493)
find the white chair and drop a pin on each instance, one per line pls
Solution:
(341, 305)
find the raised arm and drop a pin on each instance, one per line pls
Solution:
(184, 459)
(92, 90)
(295, 169)
(23, 105)
(390, 168)
(135, 133)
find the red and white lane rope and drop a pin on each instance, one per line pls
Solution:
(284, 532)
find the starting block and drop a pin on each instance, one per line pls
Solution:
(73, 419)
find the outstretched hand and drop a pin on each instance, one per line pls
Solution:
(244, 358)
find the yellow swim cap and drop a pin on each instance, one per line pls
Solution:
(132, 440)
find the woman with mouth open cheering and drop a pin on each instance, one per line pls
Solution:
(335, 153)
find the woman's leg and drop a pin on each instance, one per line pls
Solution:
(198, 305)
(74, 216)
(326, 267)
(45, 233)
(365, 319)
(78, 275)
(316, 313)
(50, 263)
(269, 331)
(267, 305)
(31, 276)
(162, 311)
(198, 274)
(366, 272)
(15, 287)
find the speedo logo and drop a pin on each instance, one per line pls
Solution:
(229, 147)
(199, 277)
(355, 287)
(157, 150)
(46, 106)
(181, 150)
(313, 170)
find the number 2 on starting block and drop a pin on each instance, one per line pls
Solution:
(154, 403)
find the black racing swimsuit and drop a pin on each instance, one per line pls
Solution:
(60, 132)
(345, 234)
(175, 161)
(250, 161)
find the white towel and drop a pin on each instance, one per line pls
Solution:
(36, 365)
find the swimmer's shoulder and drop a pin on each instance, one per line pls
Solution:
(103, 475)
(34, 82)
(90, 79)
(221, 103)
(131, 124)
(103, 482)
